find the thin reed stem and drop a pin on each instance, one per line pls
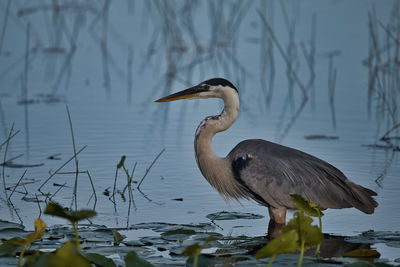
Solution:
(62, 166)
(284, 56)
(15, 187)
(57, 191)
(151, 165)
(9, 138)
(40, 209)
(5, 159)
(94, 190)
(3, 30)
(75, 157)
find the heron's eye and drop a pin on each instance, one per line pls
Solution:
(204, 87)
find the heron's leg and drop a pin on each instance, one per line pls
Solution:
(277, 214)
(274, 229)
(277, 221)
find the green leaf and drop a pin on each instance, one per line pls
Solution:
(362, 253)
(57, 210)
(66, 256)
(99, 260)
(82, 215)
(133, 260)
(312, 236)
(307, 232)
(38, 260)
(306, 205)
(10, 246)
(117, 237)
(285, 243)
(192, 250)
(40, 226)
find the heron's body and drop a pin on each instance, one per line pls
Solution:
(264, 171)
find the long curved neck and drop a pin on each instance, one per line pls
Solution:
(217, 170)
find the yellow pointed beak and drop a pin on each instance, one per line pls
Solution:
(185, 94)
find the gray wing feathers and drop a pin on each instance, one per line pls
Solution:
(273, 172)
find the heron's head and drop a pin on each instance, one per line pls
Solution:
(216, 87)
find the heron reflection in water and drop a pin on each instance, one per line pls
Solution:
(264, 171)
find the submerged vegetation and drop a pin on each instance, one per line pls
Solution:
(298, 234)
(68, 253)
(191, 245)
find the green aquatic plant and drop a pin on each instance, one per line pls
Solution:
(40, 226)
(70, 253)
(309, 235)
(193, 251)
(298, 234)
(117, 238)
(10, 246)
(66, 255)
(362, 253)
(310, 208)
(133, 260)
(285, 243)
(73, 217)
(14, 243)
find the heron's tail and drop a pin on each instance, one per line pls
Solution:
(363, 198)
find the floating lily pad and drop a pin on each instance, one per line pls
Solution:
(368, 264)
(99, 260)
(135, 243)
(10, 225)
(164, 227)
(207, 235)
(233, 215)
(203, 261)
(9, 247)
(224, 252)
(12, 232)
(176, 234)
(133, 260)
(167, 261)
(245, 241)
(152, 240)
(362, 253)
(391, 239)
(122, 250)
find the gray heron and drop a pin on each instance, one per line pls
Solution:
(264, 171)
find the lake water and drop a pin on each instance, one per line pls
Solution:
(109, 63)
